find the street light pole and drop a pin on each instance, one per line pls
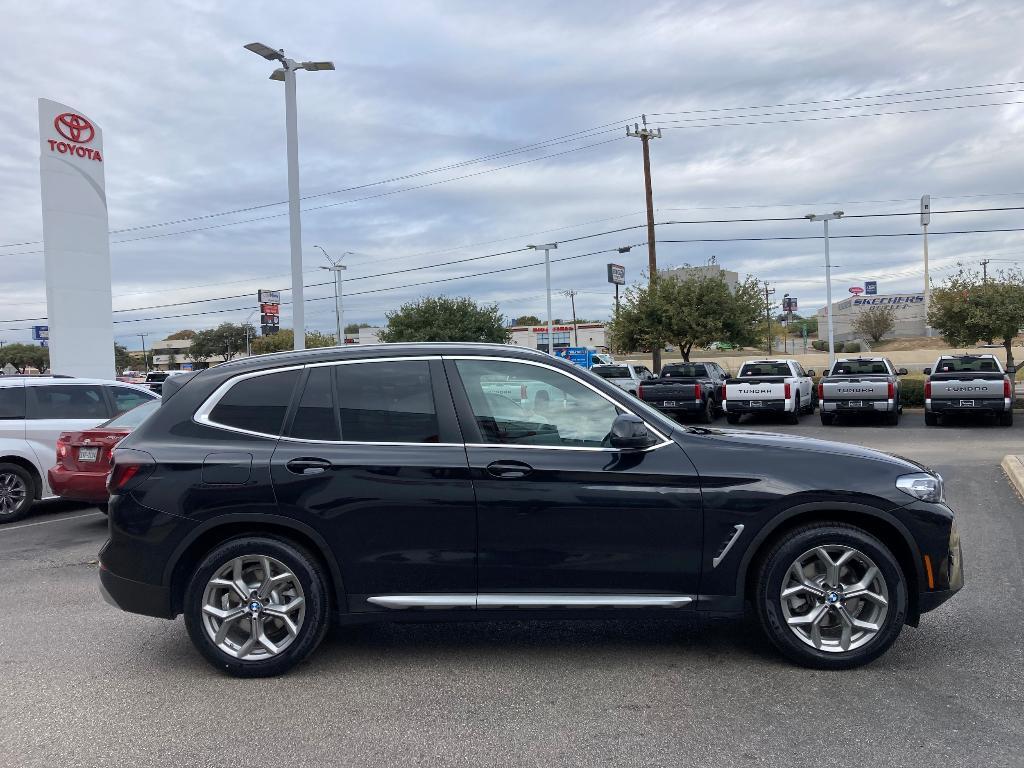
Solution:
(286, 73)
(547, 248)
(926, 217)
(337, 268)
(826, 218)
(248, 349)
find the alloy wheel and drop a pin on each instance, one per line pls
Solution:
(13, 492)
(834, 598)
(253, 607)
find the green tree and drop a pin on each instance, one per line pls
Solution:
(446, 319)
(968, 309)
(179, 335)
(25, 356)
(527, 320)
(122, 360)
(284, 340)
(354, 327)
(226, 340)
(875, 322)
(684, 312)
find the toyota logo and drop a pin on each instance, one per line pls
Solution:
(74, 128)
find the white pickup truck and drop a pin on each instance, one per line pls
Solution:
(769, 386)
(968, 384)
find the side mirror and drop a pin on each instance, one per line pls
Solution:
(901, 372)
(629, 432)
(927, 371)
(810, 372)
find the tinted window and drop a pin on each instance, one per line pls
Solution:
(315, 418)
(530, 405)
(126, 398)
(765, 369)
(257, 404)
(131, 419)
(684, 371)
(966, 364)
(67, 401)
(12, 402)
(611, 371)
(855, 367)
(387, 402)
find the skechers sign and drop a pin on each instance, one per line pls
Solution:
(76, 131)
(889, 300)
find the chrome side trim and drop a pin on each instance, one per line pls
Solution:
(738, 529)
(581, 601)
(424, 601)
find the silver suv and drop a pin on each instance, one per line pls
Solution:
(34, 410)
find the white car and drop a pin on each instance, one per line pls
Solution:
(34, 410)
(624, 375)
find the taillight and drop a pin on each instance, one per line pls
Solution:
(62, 447)
(821, 390)
(927, 390)
(130, 469)
(1007, 391)
(789, 391)
(697, 392)
(892, 391)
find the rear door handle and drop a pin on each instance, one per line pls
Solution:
(308, 466)
(508, 470)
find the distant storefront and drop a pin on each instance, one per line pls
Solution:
(536, 336)
(910, 315)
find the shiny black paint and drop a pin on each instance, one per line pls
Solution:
(455, 517)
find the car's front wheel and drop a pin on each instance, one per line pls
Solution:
(831, 596)
(257, 606)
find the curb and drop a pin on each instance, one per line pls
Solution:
(1014, 468)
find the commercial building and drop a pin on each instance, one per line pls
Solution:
(910, 315)
(172, 355)
(536, 336)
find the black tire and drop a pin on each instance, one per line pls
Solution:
(930, 419)
(706, 413)
(826, 418)
(732, 418)
(1006, 419)
(775, 566)
(104, 507)
(18, 485)
(794, 417)
(314, 624)
(892, 418)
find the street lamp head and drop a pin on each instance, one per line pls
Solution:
(316, 66)
(838, 214)
(278, 74)
(544, 247)
(265, 51)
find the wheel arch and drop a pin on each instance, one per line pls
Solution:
(878, 523)
(220, 529)
(29, 466)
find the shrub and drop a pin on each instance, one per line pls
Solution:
(819, 345)
(912, 391)
(840, 347)
(851, 346)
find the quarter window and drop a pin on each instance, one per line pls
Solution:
(257, 404)
(67, 401)
(521, 404)
(387, 402)
(125, 399)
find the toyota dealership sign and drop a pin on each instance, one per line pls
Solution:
(75, 134)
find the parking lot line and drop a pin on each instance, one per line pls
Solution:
(44, 522)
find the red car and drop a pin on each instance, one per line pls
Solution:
(83, 458)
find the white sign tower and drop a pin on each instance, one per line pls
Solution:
(76, 242)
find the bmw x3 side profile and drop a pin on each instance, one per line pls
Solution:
(271, 496)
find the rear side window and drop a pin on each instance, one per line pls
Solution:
(315, 418)
(126, 398)
(67, 401)
(12, 402)
(387, 402)
(257, 404)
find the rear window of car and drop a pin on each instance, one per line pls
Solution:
(966, 365)
(611, 371)
(858, 367)
(764, 369)
(684, 371)
(258, 403)
(12, 402)
(131, 419)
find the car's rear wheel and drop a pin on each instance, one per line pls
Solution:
(892, 418)
(930, 419)
(256, 606)
(831, 596)
(732, 418)
(826, 418)
(707, 413)
(17, 492)
(1006, 419)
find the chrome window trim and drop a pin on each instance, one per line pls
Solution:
(202, 416)
(663, 439)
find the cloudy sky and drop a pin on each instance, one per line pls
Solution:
(454, 130)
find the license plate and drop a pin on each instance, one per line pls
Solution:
(88, 454)
(756, 404)
(669, 404)
(966, 403)
(856, 403)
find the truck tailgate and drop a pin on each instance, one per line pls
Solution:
(770, 388)
(855, 388)
(980, 386)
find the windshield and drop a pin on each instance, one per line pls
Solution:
(611, 371)
(861, 367)
(684, 371)
(131, 419)
(764, 369)
(968, 364)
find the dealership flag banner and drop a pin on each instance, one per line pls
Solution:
(76, 242)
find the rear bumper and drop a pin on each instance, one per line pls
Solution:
(78, 486)
(866, 406)
(135, 596)
(762, 406)
(681, 406)
(992, 405)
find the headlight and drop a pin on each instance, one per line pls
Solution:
(922, 486)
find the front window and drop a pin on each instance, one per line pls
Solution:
(521, 404)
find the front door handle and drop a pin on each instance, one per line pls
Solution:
(508, 470)
(308, 466)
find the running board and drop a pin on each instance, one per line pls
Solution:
(530, 600)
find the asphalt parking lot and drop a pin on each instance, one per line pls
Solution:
(87, 685)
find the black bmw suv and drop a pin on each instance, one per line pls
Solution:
(270, 496)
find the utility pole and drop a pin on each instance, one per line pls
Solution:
(984, 270)
(145, 360)
(826, 218)
(645, 135)
(575, 332)
(547, 248)
(768, 315)
(337, 268)
(926, 218)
